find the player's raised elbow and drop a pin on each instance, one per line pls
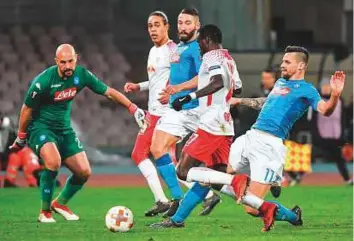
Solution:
(109, 93)
(324, 109)
(238, 91)
(328, 112)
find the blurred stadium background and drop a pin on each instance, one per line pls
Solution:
(111, 39)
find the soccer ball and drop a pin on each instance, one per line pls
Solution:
(119, 219)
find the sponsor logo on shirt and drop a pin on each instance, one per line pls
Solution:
(55, 86)
(76, 80)
(66, 94)
(280, 91)
(214, 67)
(227, 117)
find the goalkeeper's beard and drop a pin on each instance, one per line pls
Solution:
(66, 72)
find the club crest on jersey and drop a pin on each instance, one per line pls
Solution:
(66, 94)
(280, 91)
(176, 54)
(151, 69)
(42, 137)
(76, 80)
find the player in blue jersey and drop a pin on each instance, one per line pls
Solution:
(261, 151)
(185, 61)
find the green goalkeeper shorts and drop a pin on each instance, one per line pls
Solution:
(67, 142)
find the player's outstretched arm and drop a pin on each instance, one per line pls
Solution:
(132, 87)
(216, 83)
(173, 89)
(191, 84)
(117, 97)
(254, 103)
(24, 119)
(326, 108)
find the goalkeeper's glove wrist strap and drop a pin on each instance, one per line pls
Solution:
(132, 108)
(22, 135)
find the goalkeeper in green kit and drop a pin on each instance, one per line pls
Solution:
(44, 124)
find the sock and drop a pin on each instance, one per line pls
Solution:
(284, 214)
(168, 173)
(173, 154)
(72, 186)
(192, 198)
(209, 176)
(252, 201)
(209, 194)
(47, 185)
(148, 170)
(189, 185)
(228, 190)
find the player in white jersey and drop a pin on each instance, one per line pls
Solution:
(158, 69)
(211, 143)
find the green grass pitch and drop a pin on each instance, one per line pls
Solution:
(327, 214)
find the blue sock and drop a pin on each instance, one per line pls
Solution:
(284, 214)
(193, 197)
(168, 173)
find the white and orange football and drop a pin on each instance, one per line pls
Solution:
(119, 219)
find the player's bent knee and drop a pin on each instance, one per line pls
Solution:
(182, 173)
(230, 170)
(81, 178)
(158, 150)
(85, 174)
(53, 164)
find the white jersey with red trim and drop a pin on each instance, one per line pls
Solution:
(215, 108)
(158, 69)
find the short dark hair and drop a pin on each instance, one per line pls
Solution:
(304, 54)
(212, 32)
(190, 11)
(160, 14)
(275, 70)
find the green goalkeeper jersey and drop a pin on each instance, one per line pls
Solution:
(51, 96)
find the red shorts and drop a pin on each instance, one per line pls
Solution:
(208, 148)
(143, 140)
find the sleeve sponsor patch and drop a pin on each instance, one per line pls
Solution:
(214, 67)
(33, 94)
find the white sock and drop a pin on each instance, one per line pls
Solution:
(252, 200)
(228, 190)
(148, 170)
(209, 195)
(190, 184)
(209, 176)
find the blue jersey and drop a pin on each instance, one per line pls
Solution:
(185, 64)
(285, 104)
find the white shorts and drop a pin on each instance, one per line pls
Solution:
(260, 155)
(179, 123)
